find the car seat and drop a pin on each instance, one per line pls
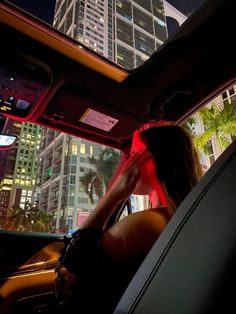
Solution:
(191, 268)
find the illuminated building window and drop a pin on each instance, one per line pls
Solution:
(91, 150)
(82, 148)
(74, 150)
(70, 211)
(119, 4)
(7, 181)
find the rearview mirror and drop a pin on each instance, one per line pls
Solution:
(6, 141)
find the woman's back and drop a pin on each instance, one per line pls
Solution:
(134, 235)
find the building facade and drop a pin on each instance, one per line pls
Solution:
(214, 149)
(63, 160)
(19, 165)
(126, 32)
(7, 166)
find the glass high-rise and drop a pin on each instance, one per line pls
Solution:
(126, 32)
(63, 160)
(19, 165)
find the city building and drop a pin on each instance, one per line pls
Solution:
(126, 32)
(85, 21)
(18, 165)
(63, 160)
(214, 149)
(7, 166)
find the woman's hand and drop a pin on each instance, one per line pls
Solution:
(127, 180)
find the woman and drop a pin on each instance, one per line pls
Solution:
(98, 263)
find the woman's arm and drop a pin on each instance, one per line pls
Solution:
(120, 190)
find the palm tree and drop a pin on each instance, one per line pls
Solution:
(13, 218)
(96, 180)
(42, 221)
(92, 183)
(219, 121)
(29, 218)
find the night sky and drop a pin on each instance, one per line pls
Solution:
(44, 9)
(186, 6)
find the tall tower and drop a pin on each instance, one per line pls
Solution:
(87, 21)
(19, 165)
(24, 176)
(139, 30)
(63, 159)
(125, 31)
(7, 166)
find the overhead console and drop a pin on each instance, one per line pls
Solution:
(23, 83)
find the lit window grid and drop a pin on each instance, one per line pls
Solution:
(47, 198)
(144, 55)
(89, 34)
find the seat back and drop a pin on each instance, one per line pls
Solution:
(191, 267)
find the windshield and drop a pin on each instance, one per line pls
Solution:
(126, 32)
(50, 181)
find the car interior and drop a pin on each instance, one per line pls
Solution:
(64, 85)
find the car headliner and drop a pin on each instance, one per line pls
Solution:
(187, 71)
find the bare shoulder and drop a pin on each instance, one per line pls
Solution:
(134, 235)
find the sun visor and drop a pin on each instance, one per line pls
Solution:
(70, 110)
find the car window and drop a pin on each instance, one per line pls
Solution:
(213, 127)
(126, 32)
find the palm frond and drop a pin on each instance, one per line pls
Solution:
(94, 180)
(200, 141)
(229, 127)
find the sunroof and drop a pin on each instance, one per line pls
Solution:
(126, 32)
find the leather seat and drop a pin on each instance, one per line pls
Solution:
(191, 267)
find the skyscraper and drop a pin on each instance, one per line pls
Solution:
(18, 165)
(126, 32)
(7, 166)
(63, 160)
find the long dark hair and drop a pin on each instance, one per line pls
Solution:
(177, 163)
